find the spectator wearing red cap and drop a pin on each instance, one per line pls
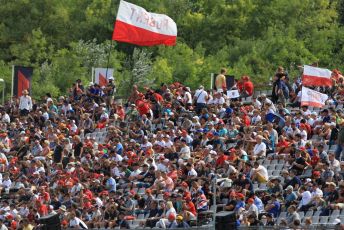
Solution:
(189, 205)
(251, 207)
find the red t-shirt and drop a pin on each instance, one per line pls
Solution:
(315, 160)
(221, 160)
(158, 97)
(283, 144)
(173, 175)
(248, 86)
(43, 210)
(142, 107)
(192, 208)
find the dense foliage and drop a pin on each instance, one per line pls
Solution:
(64, 39)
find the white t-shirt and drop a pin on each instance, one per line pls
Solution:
(217, 101)
(317, 192)
(192, 172)
(306, 198)
(160, 143)
(304, 135)
(263, 171)
(257, 104)
(187, 98)
(185, 153)
(256, 119)
(258, 148)
(201, 96)
(76, 222)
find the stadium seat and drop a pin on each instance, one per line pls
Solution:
(274, 162)
(341, 219)
(276, 173)
(309, 213)
(283, 215)
(270, 167)
(279, 167)
(323, 220)
(301, 214)
(317, 213)
(335, 213)
(140, 216)
(315, 219)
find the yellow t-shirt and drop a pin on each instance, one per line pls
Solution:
(29, 227)
(220, 81)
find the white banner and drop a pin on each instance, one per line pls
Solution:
(103, 75)
(233, 93)
(313, 98)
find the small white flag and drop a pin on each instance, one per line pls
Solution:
(312, 98)
(233, 93)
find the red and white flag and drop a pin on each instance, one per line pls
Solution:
(314, 76)
(102, 76)
(312, 98)
(137, 26)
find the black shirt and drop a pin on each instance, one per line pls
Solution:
(149, 178)
(58, 154)
(77, 149)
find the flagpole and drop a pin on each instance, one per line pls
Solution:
(92, 75)
(12, 82)
(108, 60)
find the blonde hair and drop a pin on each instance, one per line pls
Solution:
(169, 204)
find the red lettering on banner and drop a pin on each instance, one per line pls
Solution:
(146, 19)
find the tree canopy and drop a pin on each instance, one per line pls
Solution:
(64, 39)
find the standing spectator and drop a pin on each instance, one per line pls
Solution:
(220, 81)
(25, 103)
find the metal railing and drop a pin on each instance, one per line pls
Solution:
(206, 227)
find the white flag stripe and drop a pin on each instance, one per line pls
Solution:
(314, 71)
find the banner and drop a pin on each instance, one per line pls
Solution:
(314, 76)
(233, 93)
(21, 80)
(137, 26)
(102, 76)
(312, 98)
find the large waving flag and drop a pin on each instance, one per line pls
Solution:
(102, 76)
(312, 98)
(137, 26)
(21, 80)
(314, 76)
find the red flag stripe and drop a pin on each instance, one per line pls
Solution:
(311, 103)
(102, 80)
(23, 83)
(139, 36)
(308, 80)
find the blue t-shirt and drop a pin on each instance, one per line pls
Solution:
(275, 210)
(119, 149)
(239, 204)
(111, 185)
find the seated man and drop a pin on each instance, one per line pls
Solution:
(259, 173)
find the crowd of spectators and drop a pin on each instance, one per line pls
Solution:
(155, 159)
